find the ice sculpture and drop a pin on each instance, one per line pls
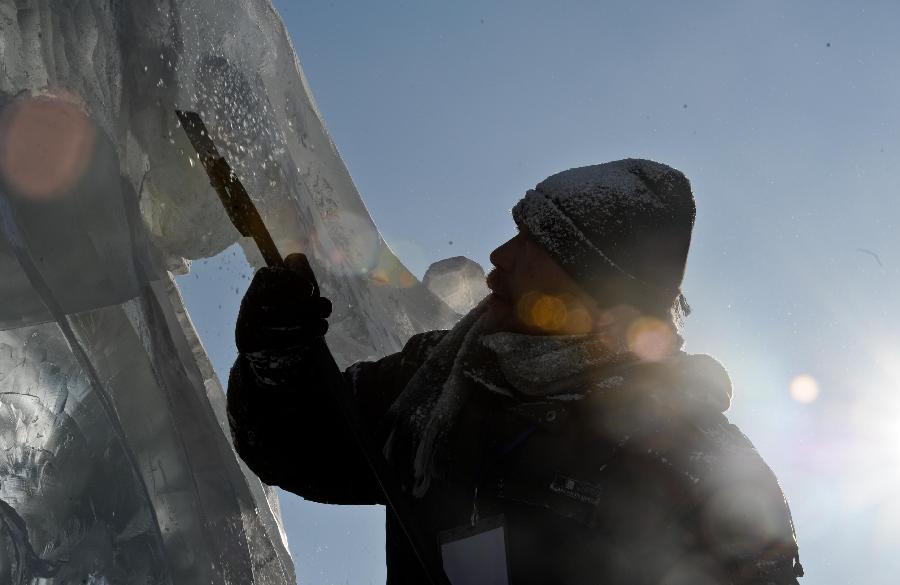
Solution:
(116, 464)
(457, 281)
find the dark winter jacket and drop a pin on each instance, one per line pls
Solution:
(644, 481)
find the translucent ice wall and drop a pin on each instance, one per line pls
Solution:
(116, 464)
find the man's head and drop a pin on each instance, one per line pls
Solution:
(594, 239)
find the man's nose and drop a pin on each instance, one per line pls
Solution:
(501, 257)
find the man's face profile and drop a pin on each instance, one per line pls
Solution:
(531, 293)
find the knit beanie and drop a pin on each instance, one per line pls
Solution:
(620, 229)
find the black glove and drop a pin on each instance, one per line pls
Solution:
(282, 309)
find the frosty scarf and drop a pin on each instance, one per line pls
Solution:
(513, 364)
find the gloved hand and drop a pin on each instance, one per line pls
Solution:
(282, 309)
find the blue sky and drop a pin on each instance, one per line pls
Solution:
(784, 117)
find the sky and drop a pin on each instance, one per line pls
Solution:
(785, 118)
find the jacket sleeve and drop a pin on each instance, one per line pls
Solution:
(287, 427)
(741, 516)
(748, 530)
(684, 503)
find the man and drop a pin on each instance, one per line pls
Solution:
(560, 416)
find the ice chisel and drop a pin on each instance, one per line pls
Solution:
(249, 223)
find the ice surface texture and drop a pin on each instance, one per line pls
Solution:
(116, 462)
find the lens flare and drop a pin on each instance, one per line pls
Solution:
(45, 145)
(389, 271)
(804, 389)
(350, 241)
(650, 339)
(579, 319)
(554, 314)
(549, 313)
(542, 311)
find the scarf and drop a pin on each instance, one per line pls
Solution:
(516, 365)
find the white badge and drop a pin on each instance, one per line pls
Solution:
(476, 555)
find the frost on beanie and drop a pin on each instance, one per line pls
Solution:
(620, 229)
